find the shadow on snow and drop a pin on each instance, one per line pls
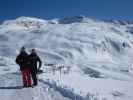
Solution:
(12, 87)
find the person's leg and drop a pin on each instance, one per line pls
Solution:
(28, 78)
(34, 77)
(24, 78)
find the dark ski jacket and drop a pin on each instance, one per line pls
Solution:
(22, 60)
(33, 59)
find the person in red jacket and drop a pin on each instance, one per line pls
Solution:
(22, 61)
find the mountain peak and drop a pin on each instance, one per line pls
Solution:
(69, 20)
(23, 18)
(26, 22)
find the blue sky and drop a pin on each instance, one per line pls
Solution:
(48, 9)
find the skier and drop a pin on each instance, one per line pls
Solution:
(34, 59)
(22, 61)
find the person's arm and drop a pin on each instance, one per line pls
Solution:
(40, 62)
(17, 60)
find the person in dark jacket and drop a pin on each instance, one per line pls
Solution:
(22, 61)
(34, 59)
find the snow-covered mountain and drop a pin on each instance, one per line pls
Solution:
(96, 57)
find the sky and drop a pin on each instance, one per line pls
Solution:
(49, 9)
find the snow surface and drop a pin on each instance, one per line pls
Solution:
(83, 59)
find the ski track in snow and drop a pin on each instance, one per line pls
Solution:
(11, 88)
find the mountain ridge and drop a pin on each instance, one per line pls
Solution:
(65, 20)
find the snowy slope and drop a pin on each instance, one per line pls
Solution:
(95, 58)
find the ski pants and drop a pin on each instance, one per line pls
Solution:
(34, 77)
(26, 76)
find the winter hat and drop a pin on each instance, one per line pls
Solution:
(22, 49)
